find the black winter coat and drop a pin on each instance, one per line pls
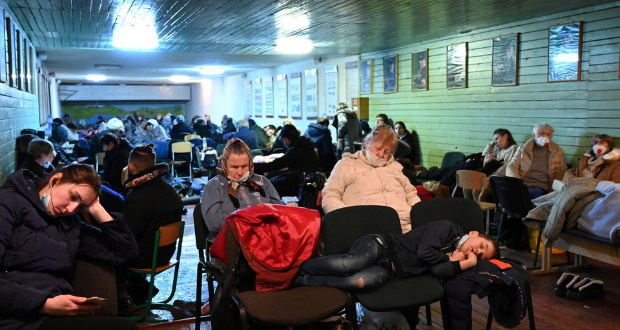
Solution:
(414, 142)
(424, 250)
(322, 139)
(38, 251)
(179, 131)
(300, 155)
(149, 204)
(114, 162)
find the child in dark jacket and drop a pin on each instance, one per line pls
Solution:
(439, 248)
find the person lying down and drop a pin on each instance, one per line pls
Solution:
(440, 248)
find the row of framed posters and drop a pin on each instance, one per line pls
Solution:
(282, 96)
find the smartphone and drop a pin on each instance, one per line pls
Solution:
(95, 300)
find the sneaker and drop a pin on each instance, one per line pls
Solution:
(586, 289)
(566, 281)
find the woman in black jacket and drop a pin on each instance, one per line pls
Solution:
(40, 239)
(412, 140)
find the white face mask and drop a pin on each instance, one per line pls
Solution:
(542, 141)
(599, 150)
(45, 199)
(373, 160)
(244, 178)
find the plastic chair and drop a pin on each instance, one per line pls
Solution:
(166, 235)
(99, 160)
(191, 136)
(477, 183)
(513, 199)
(183, 150)
(465, 213)
(292, 307)
(451, 158)
(342, 227)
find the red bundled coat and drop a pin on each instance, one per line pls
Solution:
(275, 239)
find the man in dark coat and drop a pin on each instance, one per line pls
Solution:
(263, 139)
(116, 156)
(245, 134)
(180, 129)
(150, 203)
(322, 138)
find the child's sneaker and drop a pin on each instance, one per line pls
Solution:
(586, 289)
(566, 281)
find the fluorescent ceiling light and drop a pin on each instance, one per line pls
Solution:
(179, 78)
(138, 37)
(108, 66)
(294, 45)
(96, 77)
(210, 69)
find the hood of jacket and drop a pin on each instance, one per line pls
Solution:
(316, 131)
(25, 183)
(146, 176)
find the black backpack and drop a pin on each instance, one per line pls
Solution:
(310, 188)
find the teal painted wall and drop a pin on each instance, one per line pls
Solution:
(464, 119)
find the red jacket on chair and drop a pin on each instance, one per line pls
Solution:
(275, 239)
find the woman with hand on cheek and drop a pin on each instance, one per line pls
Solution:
(40, 238)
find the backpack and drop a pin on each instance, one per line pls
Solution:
(310, 190)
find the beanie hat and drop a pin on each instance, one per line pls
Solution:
(59, 133)
(180, 118)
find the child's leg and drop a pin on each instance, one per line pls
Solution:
(367, 278)
(364, 252)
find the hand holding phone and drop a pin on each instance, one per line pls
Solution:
(95, 300)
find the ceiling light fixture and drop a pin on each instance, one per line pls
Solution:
(108, 66)
(211, 70)
(137, 37)
(96, 77)
(294, 45)
(179, 78)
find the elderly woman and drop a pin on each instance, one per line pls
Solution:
(40, 239)
(600, 162)
(236, 187)
(538, 162)
(372, 177)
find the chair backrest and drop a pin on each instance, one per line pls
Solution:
(512, 195)
(167, 235)
(473, 180)
(201, 231)
(191, 136)
(181, 147)
(451, 158)
(463, 212)
(124, 174)
(99, 160)
(340, 228)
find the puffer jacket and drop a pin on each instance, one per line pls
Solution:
(608, 171)
(522, 160)
(355, 182)
(38, 251)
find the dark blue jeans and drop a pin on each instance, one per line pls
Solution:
(368, 260)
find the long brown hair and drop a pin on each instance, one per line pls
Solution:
(78, 174)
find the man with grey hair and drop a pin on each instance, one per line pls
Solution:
(538, 162)
(245, 134)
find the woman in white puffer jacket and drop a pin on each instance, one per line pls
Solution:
(372, 177)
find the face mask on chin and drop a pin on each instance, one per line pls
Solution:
(599, 150)
(542, 141)
(244, 178)
(373, 160)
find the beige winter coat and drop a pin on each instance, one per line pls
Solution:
(522, 160)
(354, 181)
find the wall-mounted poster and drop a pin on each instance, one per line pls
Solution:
(353, 80)
(331, 91)
(366, 76)
(248, 99)
(257, 86)
(565, 52)
(456, 66)
(294, 104)
(312, 91)
(419, 70)
(268, 96)
(282, 98)
(506, 60)
(390, 74)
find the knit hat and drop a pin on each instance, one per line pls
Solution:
(59, 133)
(115, 124)
(180, 118)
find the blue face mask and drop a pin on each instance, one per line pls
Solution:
(45, 199)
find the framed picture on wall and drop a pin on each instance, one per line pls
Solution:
(419, 70)
(3, 54)
(456, 66)
(390, 74)
(366, 76)
(565, 52)
(506, 60)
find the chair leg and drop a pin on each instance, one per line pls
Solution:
(429, 320)
(540, 230)
(489, 319)
(351, 312)
(199, 274)
(530, 306)
(488, 222)
(445, 318)
(499, 227)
